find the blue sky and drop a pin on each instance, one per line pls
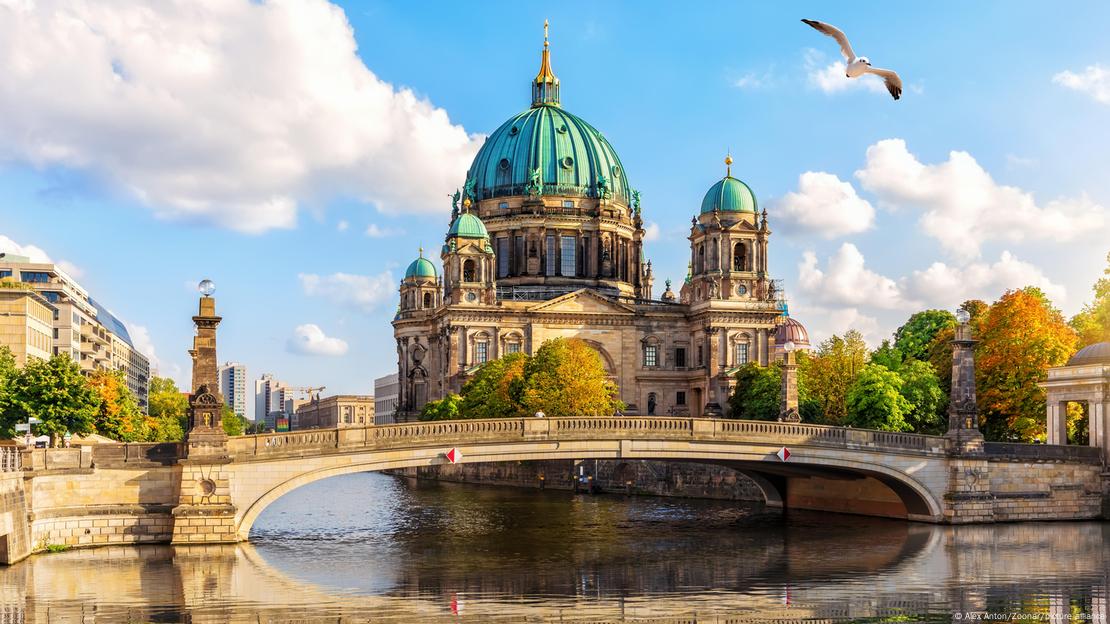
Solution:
(298, 152)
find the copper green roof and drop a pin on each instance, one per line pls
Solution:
(468, 225)
(568, 156)
(729, 195)
(421, 267)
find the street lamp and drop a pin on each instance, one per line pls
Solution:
(789, 346)
(962, 316)
(206, 287)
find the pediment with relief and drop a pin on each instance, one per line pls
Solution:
(582, 301)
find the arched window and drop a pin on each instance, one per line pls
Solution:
(427, 300)
(651, 403)
(739, 254)
(701, 258)
(468, 271)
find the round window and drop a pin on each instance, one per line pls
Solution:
(504, 164)
(616, 171)
(562, 129)
(568, 162)
(741, 289)
(471, 297)
(514, 131)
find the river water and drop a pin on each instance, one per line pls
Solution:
(373, 547)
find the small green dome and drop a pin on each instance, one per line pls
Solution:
(421, 267)
(468, 225)
(729, 195)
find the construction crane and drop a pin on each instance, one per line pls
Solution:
(312, 392)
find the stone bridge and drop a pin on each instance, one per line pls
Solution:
(134, 493)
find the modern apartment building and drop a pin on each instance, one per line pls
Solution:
(26, 322)
(80, 327)
(275, 402)
(341, 410)
(233, 387)
(386, 395)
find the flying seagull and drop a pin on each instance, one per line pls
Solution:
(858, 65)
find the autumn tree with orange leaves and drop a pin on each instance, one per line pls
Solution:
(1021, 336)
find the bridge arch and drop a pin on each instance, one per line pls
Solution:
(266, 480)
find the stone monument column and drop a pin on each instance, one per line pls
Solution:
(788, 402)
(963, 412)
(713, 367)
(204, 513)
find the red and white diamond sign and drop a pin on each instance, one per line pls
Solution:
(783, 454)
(454, 455)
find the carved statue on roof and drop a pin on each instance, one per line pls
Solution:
(603, 187)
(469, 189)
(535, 183)
(636, 202)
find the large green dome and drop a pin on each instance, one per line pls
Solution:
(729, 195)
(468, 225)
(421, 267)
(572, 157)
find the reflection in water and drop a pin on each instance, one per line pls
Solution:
(370, 546)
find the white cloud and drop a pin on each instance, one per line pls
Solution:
(35, 254)
(945, 286)
(1015, 161)
(365, 292)
(140, 337)
(823, 322)
(846, 281)
(962, 206)
(651, 232)
(830, 78)
(309, 339)
(375, 231)
(753, 80)
(1094, 81)
(342, 226)
(824, 205)
(232, 112)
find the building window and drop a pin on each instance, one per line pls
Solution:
(741, 354)
(502, 257)
(568, 206)
(549, 265)
(503, 205)
(519, 267)
(738, 253)
(680, 357)
(680, 397)
(701, 360)
(427, 300)
(651, 403)
(481, 352)
(566, 265)
(651, 355)
(468, 271)
(34, 277)
(5, 273)
(512, 347)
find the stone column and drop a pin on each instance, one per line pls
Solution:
(788, 398)
(1057, 423)
(712, 371)
(963, 412)
(205, 513)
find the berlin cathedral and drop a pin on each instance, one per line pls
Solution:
(547, 240)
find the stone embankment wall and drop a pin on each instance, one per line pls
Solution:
(656, 478)
(1038, 490)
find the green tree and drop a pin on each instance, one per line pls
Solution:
(758, 392)
(118, 415)
(1021, 336)
(167, 407)
(913, 338)
(1093, 321)
(875, 401)
(7, 374)
(494, 390)
(829, 373)
(921, 389)
(55, 392)
(566, 377)
(888, 355)
(233, 425)
(446, 408)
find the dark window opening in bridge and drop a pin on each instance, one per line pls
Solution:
(468, 271)
(680, 397)
(651, 404)
(567, 266)
(680, 357)
(741, 354)
(481, 352)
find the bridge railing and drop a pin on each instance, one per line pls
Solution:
(453, 433)
(11, 459)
